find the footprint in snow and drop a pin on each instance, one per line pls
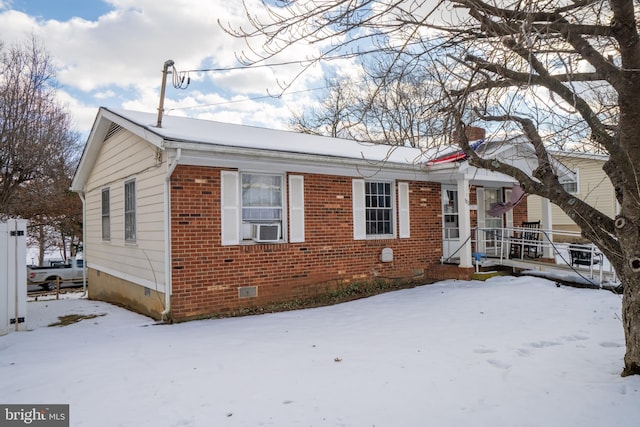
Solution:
(610, 344)
(524, 352)
(577, 338)
(498, 364)
(543, 344)
(484, 350)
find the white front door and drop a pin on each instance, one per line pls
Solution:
(492, 224)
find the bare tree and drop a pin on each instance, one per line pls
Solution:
(38, 148)
(379, 106)
(555, 71)
(54, 213)
(334, 116)
(35, 132)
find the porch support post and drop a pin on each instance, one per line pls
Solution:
(464, 223)
(547, 225)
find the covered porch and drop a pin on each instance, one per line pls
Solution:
(484, 213)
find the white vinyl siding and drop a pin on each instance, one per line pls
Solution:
(296, 208)
(593, 187)
(230, 215)
(121, 157)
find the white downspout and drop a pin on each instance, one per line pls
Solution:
(84, 244)
(167, 235)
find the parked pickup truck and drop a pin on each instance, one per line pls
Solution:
(47, 277)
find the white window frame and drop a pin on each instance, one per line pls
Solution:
(372, 199)
(129, 208)
(451, 211)
(359, 199)
(236, 231)
(249, 222)
(105, 214)
(577, 184)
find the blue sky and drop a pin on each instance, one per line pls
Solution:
(63, 10)
(111, 53)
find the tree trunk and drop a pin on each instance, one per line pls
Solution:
(629, 271)
(631, 323)
(41, 246)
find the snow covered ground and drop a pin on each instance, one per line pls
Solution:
(506, 352)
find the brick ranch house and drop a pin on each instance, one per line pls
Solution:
(198, 218)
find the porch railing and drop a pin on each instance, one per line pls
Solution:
(564, 248)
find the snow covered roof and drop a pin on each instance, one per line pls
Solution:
(520, 152)
(183, 129)
(210, 136)
(517, 151)
(197, 136)
(216, 138)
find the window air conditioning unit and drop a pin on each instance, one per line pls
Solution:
(266, 232)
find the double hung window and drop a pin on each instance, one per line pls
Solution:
(106, 214)
(261, 207)
(130, 211)
(254, 208)
(379, 208)
(375, 214)
(261, 198)
(571, 187)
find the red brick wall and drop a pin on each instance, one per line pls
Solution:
(520, 214)
(207, 275)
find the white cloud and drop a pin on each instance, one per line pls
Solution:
(104, 95)
(117, 60)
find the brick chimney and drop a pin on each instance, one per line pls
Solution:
(473, 133)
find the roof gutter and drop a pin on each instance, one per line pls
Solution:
(301, 156)
(167, 236)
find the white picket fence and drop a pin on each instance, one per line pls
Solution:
(13, 275)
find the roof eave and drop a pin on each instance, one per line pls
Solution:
(298, 157)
